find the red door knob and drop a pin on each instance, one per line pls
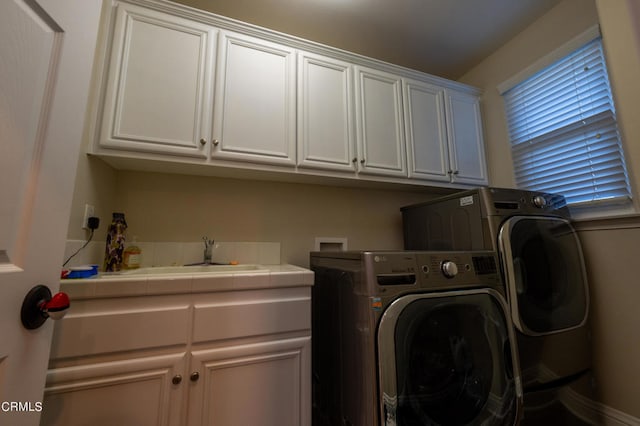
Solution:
(57, 306)
(38, 305)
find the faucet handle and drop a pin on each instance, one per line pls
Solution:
(207, 242)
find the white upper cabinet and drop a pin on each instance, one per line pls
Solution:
(466, 146)
(380, 134)
(444, 134)
(204, 94)
(158, 88)
(254, 112)
(325, 113)
(425, 124)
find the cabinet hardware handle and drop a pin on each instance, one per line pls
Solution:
(216, 142)
(194, 376)
(203, 141)
(355, 160)
(449, 172)
(176, 379)
(456, 172)
(362, 161)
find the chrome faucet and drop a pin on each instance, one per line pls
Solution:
(208, 246)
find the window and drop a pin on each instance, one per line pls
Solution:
(563, 130)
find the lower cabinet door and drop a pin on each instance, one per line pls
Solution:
(261, 384)
(140, 391)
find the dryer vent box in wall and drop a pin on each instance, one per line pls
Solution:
(330, 244)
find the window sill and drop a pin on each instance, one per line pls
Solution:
(622, 221)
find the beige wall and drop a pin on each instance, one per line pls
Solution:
(610, 255)
(179, 208)
(609, 251)
(163, 207)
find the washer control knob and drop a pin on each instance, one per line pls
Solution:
(449, 269)
(539, 201)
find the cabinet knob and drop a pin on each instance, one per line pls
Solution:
(456, 172)
(194, 376)
(177, 379)
(203, 141)
(216, 142)
(362, 161)
(449, 172)
(355, 160)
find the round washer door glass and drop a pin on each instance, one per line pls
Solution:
(545, 274)
(446, 361)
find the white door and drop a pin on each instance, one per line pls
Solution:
(255, 104)
(466, 146)
(158, 94)
(426, 131)
(381, 144)
(325, 113)
(46, 53)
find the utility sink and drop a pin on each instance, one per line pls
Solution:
(192, 269)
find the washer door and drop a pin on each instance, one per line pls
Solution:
(544, 273)
(448, 359)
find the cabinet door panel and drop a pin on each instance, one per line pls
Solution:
(254, 117)
(427, 149)
(159, 85)
(466, 146)
(379, 116)
(266, 384)
(136, 391)
(325, 118)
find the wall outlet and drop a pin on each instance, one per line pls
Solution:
(89, 211)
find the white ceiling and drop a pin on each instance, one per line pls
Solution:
(441, 37)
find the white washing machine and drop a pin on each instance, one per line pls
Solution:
(412, 338)
(544, 273)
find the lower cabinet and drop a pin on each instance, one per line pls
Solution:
(255, 384)
(138, 391)
(225, 359)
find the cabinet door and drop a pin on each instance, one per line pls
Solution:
(381, 145)
(158, 92)
(466, 145)
(266, 384)
(425, 126)
(325, 118)
(254, 113)
(138, 391)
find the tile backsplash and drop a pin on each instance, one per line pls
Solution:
(180, 253)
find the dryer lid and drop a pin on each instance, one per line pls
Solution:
(544, 274)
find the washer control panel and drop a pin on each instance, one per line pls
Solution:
(434, 269)
(458, 269)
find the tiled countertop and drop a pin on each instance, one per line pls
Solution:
(267, 276)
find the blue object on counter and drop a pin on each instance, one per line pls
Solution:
(82, 271)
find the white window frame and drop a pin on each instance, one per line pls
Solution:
(604, 208)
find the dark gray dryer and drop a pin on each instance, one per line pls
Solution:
(412, 338)
(544, 274)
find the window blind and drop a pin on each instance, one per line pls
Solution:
(563, 130)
